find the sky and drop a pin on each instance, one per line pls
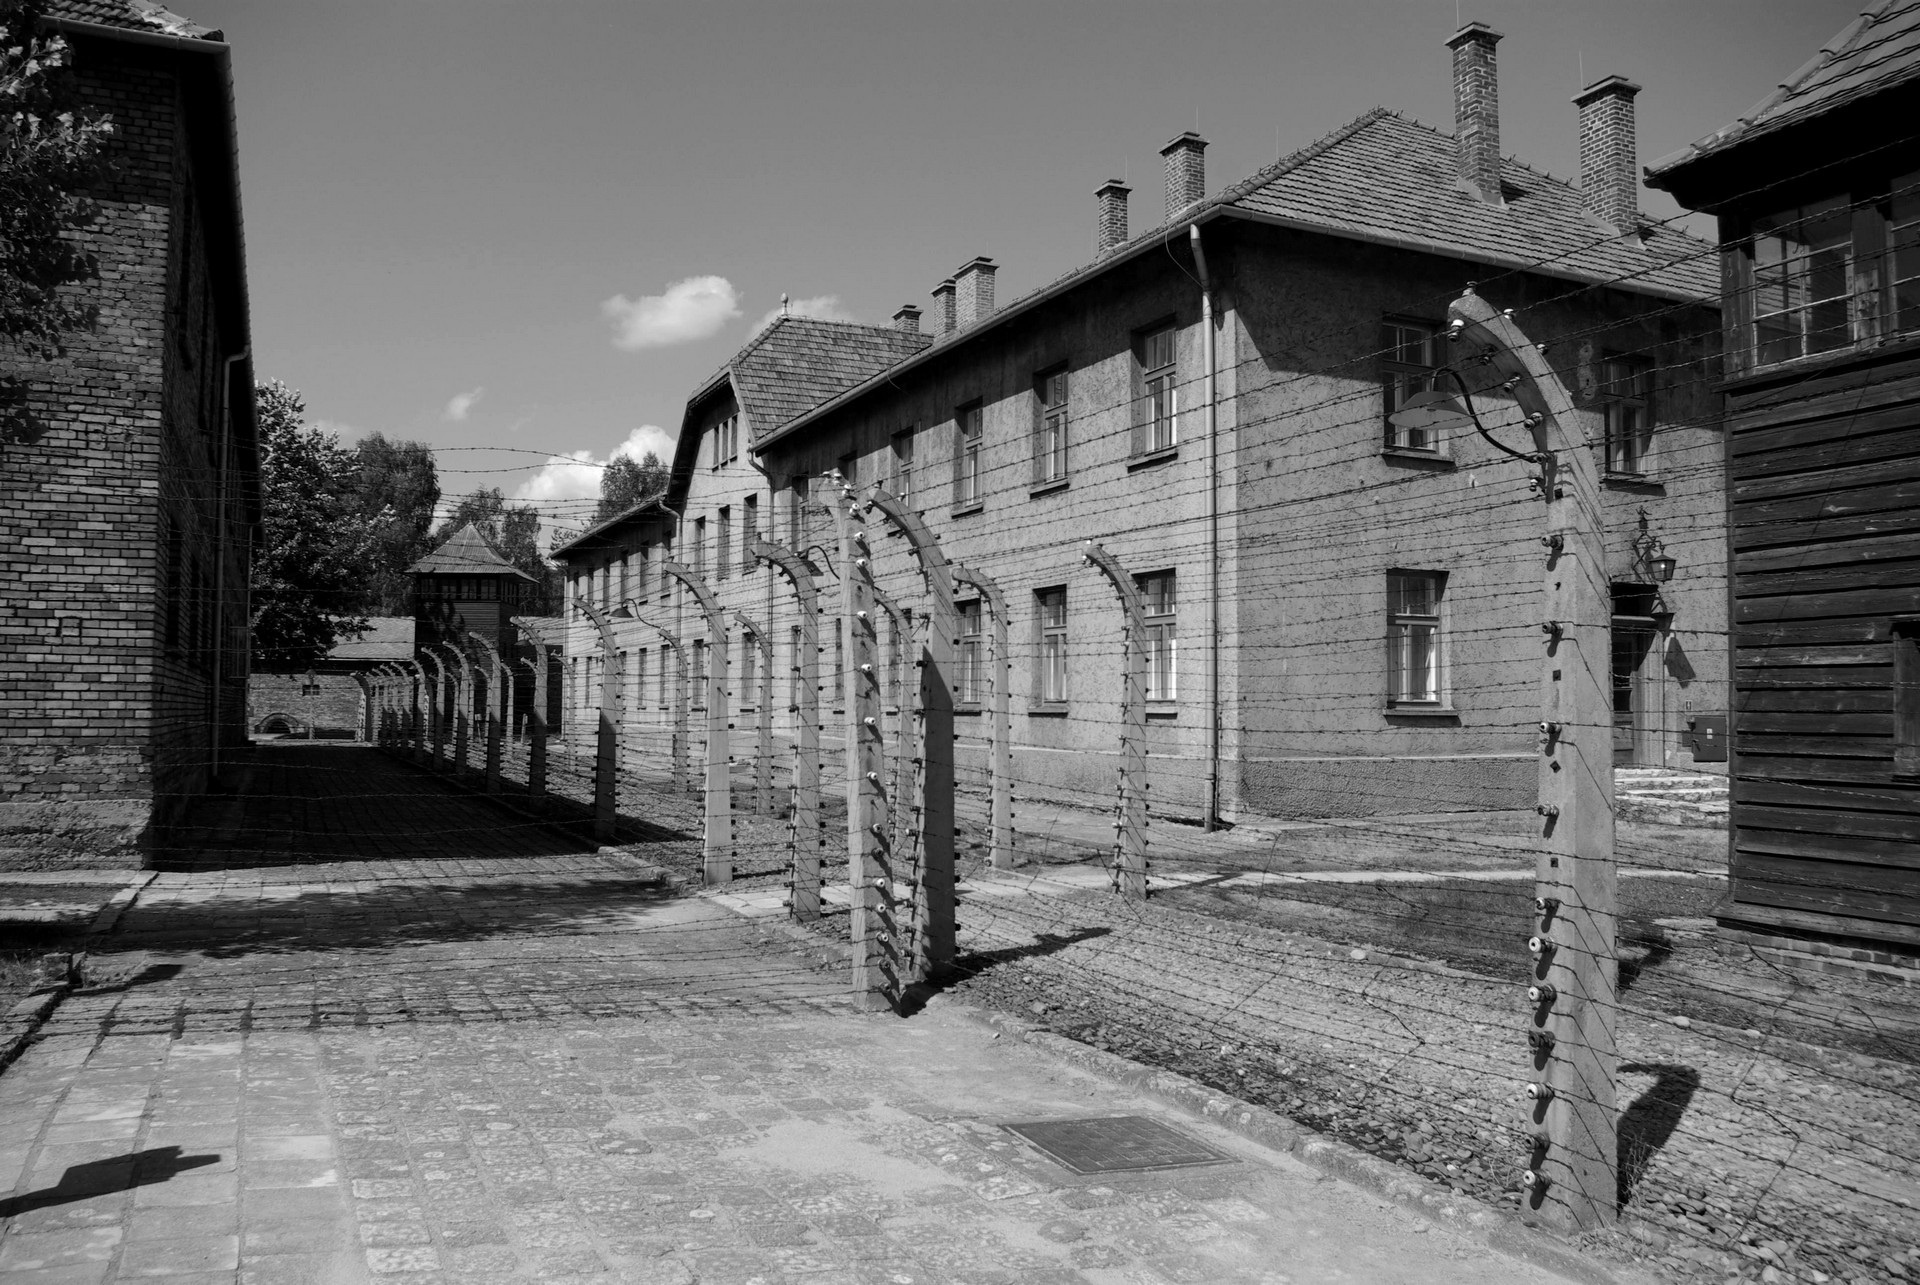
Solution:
(524, 233)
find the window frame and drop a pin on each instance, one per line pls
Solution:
(1151, 380)
(1160, 616)
(1051, 421)
(1052, 663)
(970, 654)
(1395, 371)
(1400, 625)
(969, 446)
(903, 447)
(1626, 451)
(723, 542)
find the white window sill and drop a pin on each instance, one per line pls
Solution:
(1412, 455)
(1048, 488)
(1411, 710)
(1157, 456)
(968, 510)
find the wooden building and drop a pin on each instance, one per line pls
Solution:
(1817, 191)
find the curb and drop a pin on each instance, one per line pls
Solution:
(1498, 1229)
(108, 917)
(23, 1021)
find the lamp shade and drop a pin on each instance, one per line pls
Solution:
(1662, 568)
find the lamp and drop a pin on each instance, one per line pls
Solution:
(1651, 555)
(1662, 566)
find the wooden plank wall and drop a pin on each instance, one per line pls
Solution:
(1824, 480)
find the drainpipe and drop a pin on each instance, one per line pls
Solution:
(1213, 533)
(220, 558)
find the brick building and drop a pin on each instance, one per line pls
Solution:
(1817, 192)
(1333, 611)
(328, 699)
(125, 522)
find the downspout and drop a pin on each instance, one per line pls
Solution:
(1213, 532)
(220, 558)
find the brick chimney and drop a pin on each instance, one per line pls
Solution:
(1609, 158)
(943, 304)
(975, 280)
(907, 319)
(1186, 172)
(1476, 109)
(1112, 228)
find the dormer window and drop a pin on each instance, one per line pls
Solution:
(726, 441)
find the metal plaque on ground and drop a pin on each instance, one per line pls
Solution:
(1117, 1143)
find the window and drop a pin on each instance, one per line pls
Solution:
(1157, 604)
(667, 670)
(750, 530)
(1802, 276)
(971, 660)
(969, 431)
(903, 467)
(749, 664)
(640, 679)
(645, 559)
(1626, 386)
(697, 698)
(309, 689)
(797, 516)
(700, 546)
(1052, 669)
(723, 543)
(1155, 428)
(1413, 637)
(1050, 428)
(1410, 352)
(626, 585)
(726, 441)
(1903, 250)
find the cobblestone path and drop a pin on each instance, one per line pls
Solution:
(418, 1068)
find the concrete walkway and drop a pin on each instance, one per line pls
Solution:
(552, 1068)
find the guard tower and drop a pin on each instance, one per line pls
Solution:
(465, 586)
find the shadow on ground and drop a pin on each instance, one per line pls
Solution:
(103, 1177)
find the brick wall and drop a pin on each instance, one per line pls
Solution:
(107, 724)
(333, 705)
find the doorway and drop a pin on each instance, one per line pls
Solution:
(1635, 718)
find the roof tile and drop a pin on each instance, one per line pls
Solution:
(466, 552)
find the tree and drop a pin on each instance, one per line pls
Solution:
(317, 552)
(398, 489)
(50, 152)
(626, 482)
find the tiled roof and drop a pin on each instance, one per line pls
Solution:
(466, 552)
(129, 15)
(1385, 177)
(797, 363)
(1878, 50)
(384, 638)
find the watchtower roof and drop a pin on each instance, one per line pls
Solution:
(466, 553)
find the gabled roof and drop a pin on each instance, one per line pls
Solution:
(466, 553)
(1389, 180)
(129, 15)
(797, 363)
(384, 638)
(1878, 50)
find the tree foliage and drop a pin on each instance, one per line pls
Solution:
(626, 482)
(318, 552)
(51, 150)
(398, 489)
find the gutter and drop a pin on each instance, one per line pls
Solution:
(1213, 531)
(220, 556)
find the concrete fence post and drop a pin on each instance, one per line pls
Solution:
(932, 938)
(1130, 823)
(717, 826)
(1573, 1177)
(1000, 725)
(498, 705)
(607, 741)
(763, 725)
(804, 837)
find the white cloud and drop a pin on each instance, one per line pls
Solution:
(824, 306)
(687, 310)
(576, 476)
(460, 404)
